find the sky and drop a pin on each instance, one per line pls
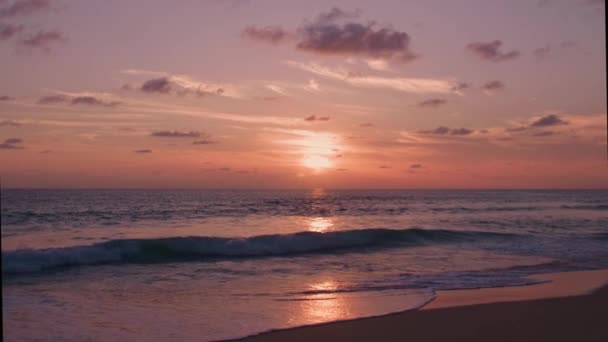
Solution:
(303, 94)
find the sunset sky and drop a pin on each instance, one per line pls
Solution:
(300, 94)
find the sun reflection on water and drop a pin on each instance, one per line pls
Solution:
(320, 224)
(323, 305)
(318, 193)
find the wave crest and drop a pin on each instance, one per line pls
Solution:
(200, 248)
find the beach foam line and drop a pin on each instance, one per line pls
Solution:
(549, 285)
(204, 247)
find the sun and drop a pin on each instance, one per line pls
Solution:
(316, 162)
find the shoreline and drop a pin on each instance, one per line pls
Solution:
(551, 310)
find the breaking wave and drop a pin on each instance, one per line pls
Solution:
(201, 248)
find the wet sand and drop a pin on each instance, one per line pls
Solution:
(570, 306)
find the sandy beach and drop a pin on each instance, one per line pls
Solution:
(570, 306)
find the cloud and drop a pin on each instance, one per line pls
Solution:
(315, 118)
(157, 85)
(491, 51)
(549, 120)
(8, 30)
(326, 35)
(378, 64)
(544, 121)
(432, 103)
(460, 86)
(493, 86)
(13, 141)
(442, 130)
(142, 151)
(313, 85)
(24, 7)
(11, 144)
(9, 123)
(270, 34)
(411, 85)
(6, 98)
(54, 99)
(337, 32)
(93, 101)
(204, 142)
(176, 134)
(461, 131)
(179, 84)
(44, 40)
(276, 89)
(76, 100)
(366, 124)
(542, 52)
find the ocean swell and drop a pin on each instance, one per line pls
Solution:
(201, 248)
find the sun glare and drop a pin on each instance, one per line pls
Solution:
(316, 163)
(316, 150)
(320, 224)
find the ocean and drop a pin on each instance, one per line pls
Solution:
(200, 265)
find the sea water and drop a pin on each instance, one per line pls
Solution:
(192, 265)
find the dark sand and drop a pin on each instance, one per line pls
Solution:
(574, 318)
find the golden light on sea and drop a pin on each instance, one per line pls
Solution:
(320, 224)
(324, 307)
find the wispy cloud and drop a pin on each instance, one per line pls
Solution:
(378, 64)
(277, 89)
(411, 85)
(76, 100)
(44, 40)
(92, 101)
(10, 123)
(270, 34)
(7, 31)
(313, 85)
(205, 141)
(24, 7)
(542, 53)
(53, 99)
(432, 103)
(309, 142)
(176, 134)
(313, 118)
(491, 51)
(11, 144)
(165, 83)
(492, 87)
(442, 130)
